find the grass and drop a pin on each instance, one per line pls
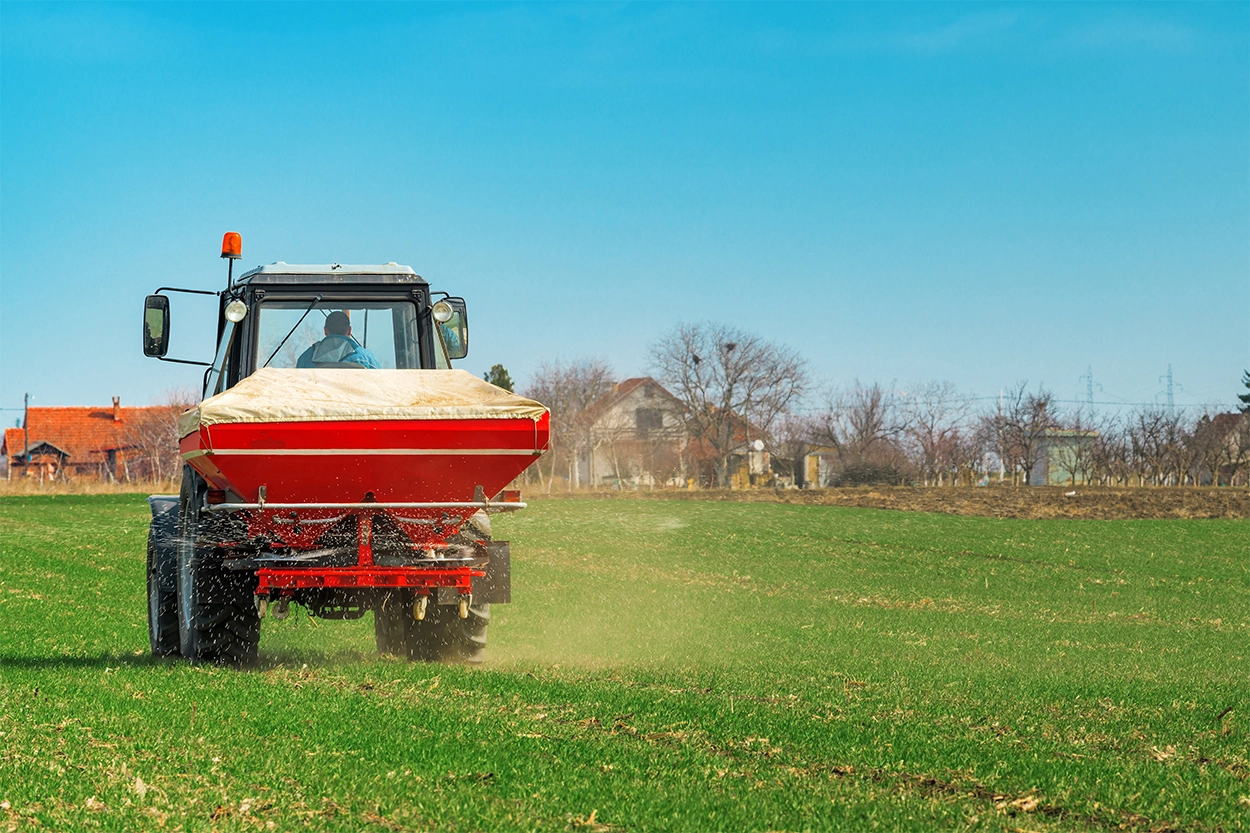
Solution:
(667, 665)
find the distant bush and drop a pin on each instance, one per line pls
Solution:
(868, 473)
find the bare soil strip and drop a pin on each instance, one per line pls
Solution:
(1093, 503)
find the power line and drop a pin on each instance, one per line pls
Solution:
(1120, 403)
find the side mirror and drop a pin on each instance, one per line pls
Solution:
(455, 330)
(155, 326)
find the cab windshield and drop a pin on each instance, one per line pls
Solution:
(329, 334)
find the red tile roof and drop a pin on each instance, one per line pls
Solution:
(1224, 423)
(14, 442)
(85, 434)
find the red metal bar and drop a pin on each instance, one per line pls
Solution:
(346, 577)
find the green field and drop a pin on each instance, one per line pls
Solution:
(665, 666)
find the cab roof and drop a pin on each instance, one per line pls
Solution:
(331, 273)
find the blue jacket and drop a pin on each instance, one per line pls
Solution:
(335, 348)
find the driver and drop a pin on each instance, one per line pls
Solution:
(338, 347)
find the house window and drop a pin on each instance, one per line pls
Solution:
(648, 420)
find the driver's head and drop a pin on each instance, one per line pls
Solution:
(338, 324)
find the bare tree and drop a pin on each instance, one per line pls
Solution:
(1156, 436)
(1021, 425)
(1112, 453)
(931, 413)
(639, 456)
(152, 436)
(863, 423)
(1209, 441)
(1186, 459)
(859, 420)
(1237, 451)
(656, 450)
(568, 390)
(616, 431)
(731, 384)
(988, 436)
(791, 437)
(660, 458)
(964, 452)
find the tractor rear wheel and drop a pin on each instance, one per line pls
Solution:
(217, 617)
(442, 636)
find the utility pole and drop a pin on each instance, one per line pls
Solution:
(1001, 468)
(26, 427)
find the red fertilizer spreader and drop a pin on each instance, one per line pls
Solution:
(336, 479)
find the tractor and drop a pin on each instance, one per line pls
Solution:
(336, 460)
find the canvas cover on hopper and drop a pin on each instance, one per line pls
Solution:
(323, 395)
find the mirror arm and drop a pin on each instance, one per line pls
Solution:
(188, 291)
(183, 361)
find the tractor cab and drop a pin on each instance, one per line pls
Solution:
(319, 316)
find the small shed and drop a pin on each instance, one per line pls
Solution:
(1065, 458)
(815, 467)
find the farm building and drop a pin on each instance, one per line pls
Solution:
(635, 437)
(1065, 458)
(98, 443)
(816, 466)
(748, 463)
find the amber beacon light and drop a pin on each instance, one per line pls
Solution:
(232, 245)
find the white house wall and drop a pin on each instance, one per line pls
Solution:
(596, 466)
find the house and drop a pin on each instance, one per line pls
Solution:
(63, 443)
(634, 436)
(1222, 446)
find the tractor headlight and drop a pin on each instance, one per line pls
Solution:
(443, 312)
(236, 311)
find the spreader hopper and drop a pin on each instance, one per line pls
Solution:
(339, 436)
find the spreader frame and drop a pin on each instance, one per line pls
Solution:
(460, 578)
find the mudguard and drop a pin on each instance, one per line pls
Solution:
(496, 586)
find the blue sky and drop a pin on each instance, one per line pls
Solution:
(981, 193)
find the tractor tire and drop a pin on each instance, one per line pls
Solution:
(162, 597)
(217, 618)
(442, 636)
(388, 623)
